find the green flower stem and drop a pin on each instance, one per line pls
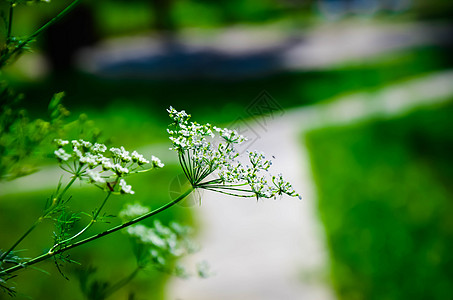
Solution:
(231, 188)
(55, 201)
(93, 220)
(206, 172)
(95, 237)
(32, 227)
(214, 181)
(226, 193)
(10, 21)
(60, 195)
(182, 162)
(113, 288)
(24, 43)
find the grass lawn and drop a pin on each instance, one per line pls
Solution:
(385, 199)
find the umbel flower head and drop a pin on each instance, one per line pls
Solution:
(102, 166)
(211, 162)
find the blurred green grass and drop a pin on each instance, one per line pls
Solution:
(385, 191)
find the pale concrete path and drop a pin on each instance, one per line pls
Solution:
(245, 51)
(271, 250)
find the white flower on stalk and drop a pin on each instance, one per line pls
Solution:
(138, 158)
(121, 153)
(231, 136)
(86, 145)
(258, 160)
(95, 177)
(61, 154)
(107, 165)
(120, 170)
(61, 143)
(76, 143)
(178, 116)
(90, 160)
(284, 187)
(77, 153)
(199, 159)
(125, 188)
(99, 148)
(260, 187)
(157, 163)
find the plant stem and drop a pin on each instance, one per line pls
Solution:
(226, 193)
(93, 220)
(24, 43)
(182, 162)
(96, 236)
(32, 227)
(113, 288)
(10, 21)
(60, 195)
(55, 202)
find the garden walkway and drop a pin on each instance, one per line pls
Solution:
(239, 52)
(269, 250)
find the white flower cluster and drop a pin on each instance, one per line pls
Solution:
(193, 142)
(255, 175)
(133, 210)
(199, 158)
(163, 243)
(230, 136)
(100, 165)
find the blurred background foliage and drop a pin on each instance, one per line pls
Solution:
(385, 233)
(386, 205)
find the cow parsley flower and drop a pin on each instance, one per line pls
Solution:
(156, 162)
(201, 155)
(120, 170)
(125, 188)
(92, 162)
(61, 154)
(61, 143)
(95, 177)
(121, 153)
(138, 158)
(133, 210)
(231, 136)
(98, 148)
(161, 244)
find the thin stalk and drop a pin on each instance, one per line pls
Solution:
(39, 220)
(183, 165)
(70, 183)
(190, 165)
(24, 43)
(122, 282)
(205, 174)
(92, 221)
(226, 188)
(217, 183)
(187, 165)
(226, 193)
(10, 21)
(32, 227)
(96, 236)
(218, 180)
